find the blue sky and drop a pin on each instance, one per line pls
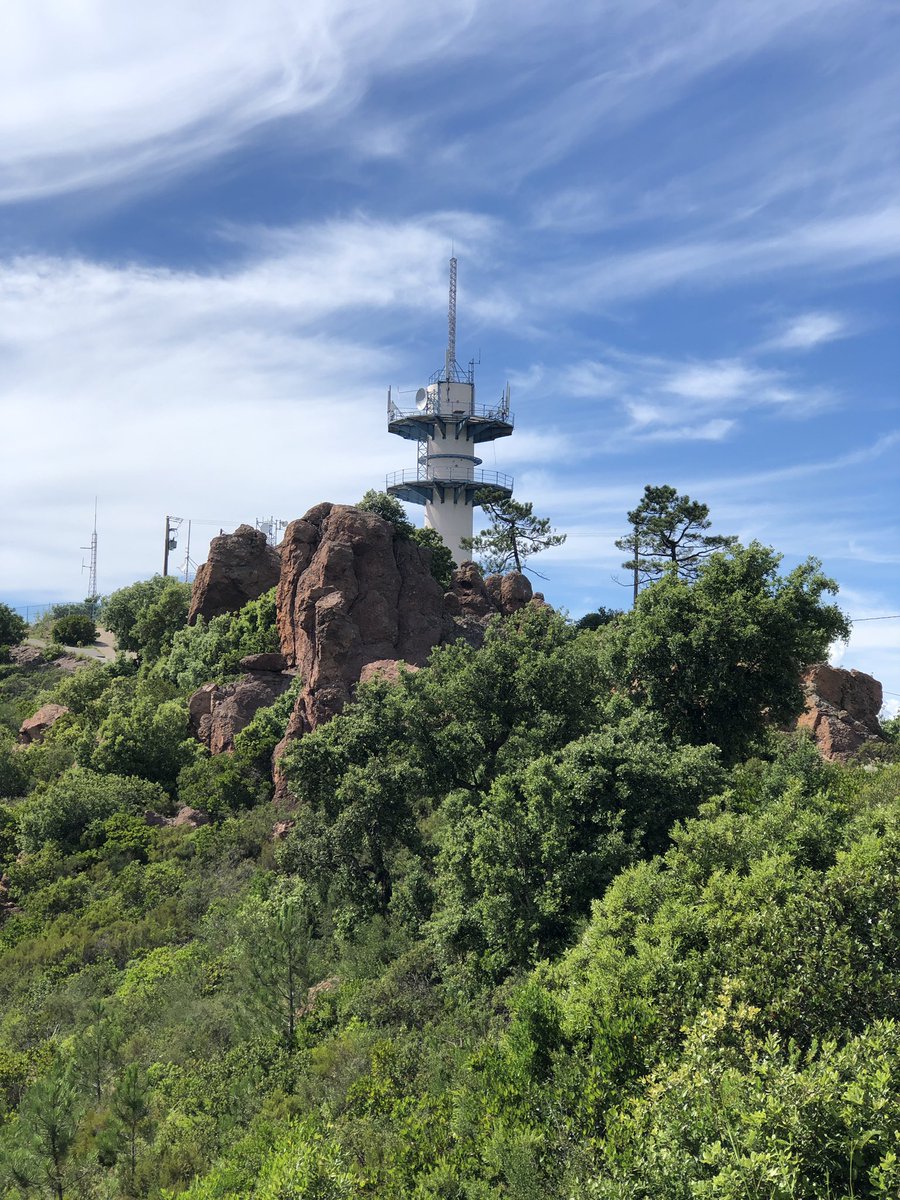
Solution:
(224, 230)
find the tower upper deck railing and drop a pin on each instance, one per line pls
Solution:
(478, 412)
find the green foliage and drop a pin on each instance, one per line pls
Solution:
(741, 1114)
(212, 650)
(13, 778)
(158, 621)
(147, 736)
(514, 535)
(720, 659)
(598, 618)
(63, 811)
(669, 531)
(526, 936)
(441, 564)
(520, 864)
(386, 506)
(12, 627)
(122, 610)
(74, 631)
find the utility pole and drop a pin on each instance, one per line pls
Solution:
(172, 524)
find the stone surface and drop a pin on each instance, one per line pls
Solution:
(26, 657)
(352, 592)
(471, 595)
(34, 728)
(842, 709)
(240, 567)
(218, 712)
(264, 662)
(389, 669)
(185, 818)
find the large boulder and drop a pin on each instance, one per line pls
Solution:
(240, 567)
(842, 709)
(34, 728)
(353, 592)
(218, 712)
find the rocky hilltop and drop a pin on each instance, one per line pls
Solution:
(355, 597)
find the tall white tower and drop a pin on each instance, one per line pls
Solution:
(447, 424)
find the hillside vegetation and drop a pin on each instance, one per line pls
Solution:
(566, 916)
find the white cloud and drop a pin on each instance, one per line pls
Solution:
(99, 91)
(248, 390)
(669, 399)
(809, 330)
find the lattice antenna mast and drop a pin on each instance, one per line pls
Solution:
(451, 324)
(92, 567)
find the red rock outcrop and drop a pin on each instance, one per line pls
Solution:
(218, 712)
(472, 595)
(352, 592)
(241, 566)
(841, 709)
(34, 728)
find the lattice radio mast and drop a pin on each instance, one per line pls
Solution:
(91, 567)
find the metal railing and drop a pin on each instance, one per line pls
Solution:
(484, 412)
(450, 475)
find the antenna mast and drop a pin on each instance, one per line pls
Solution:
(451, 323)
(92, 568)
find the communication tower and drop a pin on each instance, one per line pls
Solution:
(91, 567)
(447, 425)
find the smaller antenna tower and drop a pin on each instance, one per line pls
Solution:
(91, 567)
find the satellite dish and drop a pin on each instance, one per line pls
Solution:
(421, 399)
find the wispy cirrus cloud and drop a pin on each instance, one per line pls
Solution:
(677, 400)
(809, 330)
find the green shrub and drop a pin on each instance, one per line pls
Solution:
(212, 650)
(12, 627)
(62, 812)
(74, 631)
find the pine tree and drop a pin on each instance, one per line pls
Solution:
(514, 535)
(668, 531)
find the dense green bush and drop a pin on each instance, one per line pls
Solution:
(212, 650)
(74, 631)
(12, 628)
(146, 615)
(62, 812)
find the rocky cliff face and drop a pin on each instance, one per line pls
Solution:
(841, 709)
(352, 592)
(241, 566)
(218, 712)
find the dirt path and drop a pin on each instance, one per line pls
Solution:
(103, 648)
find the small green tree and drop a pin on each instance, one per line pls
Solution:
(668, 530)
(12, 628)
(139, 616)
(274, 958)
(48, 1120)
(514, 535)
(720, 659)
(130, 1119)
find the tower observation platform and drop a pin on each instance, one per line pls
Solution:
(447, 425)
